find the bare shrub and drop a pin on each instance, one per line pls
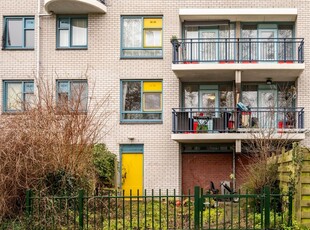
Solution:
(48, 137)
(263, 143)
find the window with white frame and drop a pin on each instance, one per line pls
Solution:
(18, 33)
(18, 95)
(141, 37)
(72, 32)
(141, 100)
(72, 95)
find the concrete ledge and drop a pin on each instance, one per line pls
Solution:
(240, 14)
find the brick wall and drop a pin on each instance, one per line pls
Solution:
(198, 169)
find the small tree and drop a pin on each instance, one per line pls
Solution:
(266, 138)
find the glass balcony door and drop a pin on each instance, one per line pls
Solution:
(268, 45)
(208, 103)
(267, 105)
(209, 45)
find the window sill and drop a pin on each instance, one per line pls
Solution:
(139, 122)
(124, 58)
(9, 113)
(17, 49)
(75, 48)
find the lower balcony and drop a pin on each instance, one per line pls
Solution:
(75, 6)
(223, 125)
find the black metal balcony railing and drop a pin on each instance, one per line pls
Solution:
(215, 120)
(238, 50)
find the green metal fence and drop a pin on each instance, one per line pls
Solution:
(159, 210)
(242, 211)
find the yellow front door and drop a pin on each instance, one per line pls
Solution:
(132, 173)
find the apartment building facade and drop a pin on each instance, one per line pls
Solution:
(188, 81)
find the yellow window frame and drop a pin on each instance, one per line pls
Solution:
(152, 24)
(152, 87)
(144, 38)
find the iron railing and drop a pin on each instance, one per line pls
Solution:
(215, 120)
(158, 210)
(238, 50)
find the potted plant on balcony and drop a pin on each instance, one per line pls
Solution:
(174, 39)
(175, 42)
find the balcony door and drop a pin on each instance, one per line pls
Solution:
(208, 104)
(209, 45)
(268, 45)
(267, 103)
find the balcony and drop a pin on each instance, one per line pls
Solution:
(218, 125)
(281, 58)
(75, 6)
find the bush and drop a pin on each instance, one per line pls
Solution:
(61, 182)
(104, 162)
(48, 147)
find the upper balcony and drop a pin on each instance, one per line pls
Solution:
(75, 6)
(223, 125)
(219, 58)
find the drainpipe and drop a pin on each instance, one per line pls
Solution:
(38, 41)
(38, 31)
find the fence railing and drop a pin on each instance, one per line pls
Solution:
(238, 50)
(215, 120)
(160, 210)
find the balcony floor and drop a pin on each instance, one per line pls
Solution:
(226, 72)
(232, 137)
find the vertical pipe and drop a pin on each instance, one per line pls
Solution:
(38, 41)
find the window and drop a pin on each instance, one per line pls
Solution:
(18, 95)
(19, 33)
(193, 95)
(141, 37)
(72, 32)
(216, 41)
(141, 100)
(267, 42)
(72, 95)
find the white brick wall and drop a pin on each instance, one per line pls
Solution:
(105, 70)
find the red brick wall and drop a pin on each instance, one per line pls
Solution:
(241, 162)
(200, 169)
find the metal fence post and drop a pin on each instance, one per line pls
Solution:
(28, 202)
(196, 206)
(81, 208)
(267, 207)
(28, 206)
(290, 208)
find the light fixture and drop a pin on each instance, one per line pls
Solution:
(131, 138)
(269, 81)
